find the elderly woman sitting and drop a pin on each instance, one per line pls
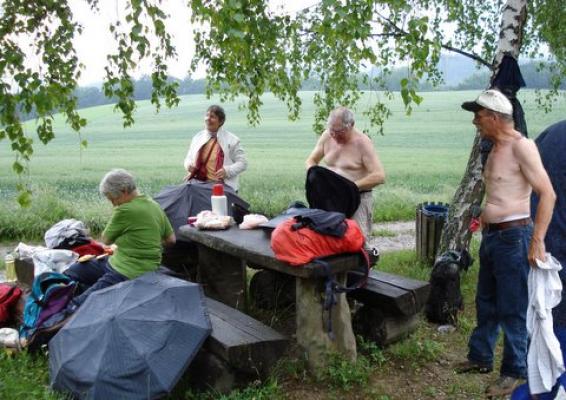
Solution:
(138, 227)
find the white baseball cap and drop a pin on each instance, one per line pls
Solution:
(492, 100)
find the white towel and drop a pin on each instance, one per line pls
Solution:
(544, 359)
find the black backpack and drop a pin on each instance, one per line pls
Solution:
(445, 299)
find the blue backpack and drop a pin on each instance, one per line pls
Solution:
(50, 293)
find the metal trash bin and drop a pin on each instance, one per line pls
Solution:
(430, 219)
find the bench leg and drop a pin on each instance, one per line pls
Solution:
(223, 277)
(311, 329)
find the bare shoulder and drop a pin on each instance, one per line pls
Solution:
(524, 147)
(363, 140)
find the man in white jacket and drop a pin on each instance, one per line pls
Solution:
(215, 154)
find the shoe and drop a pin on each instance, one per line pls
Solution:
(503, 386)
(469, 366)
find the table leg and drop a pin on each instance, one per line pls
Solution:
(311, 330)
(223, 277)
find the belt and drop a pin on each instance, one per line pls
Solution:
(508, 224)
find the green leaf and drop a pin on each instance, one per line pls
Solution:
(18, 167)
(24, 198)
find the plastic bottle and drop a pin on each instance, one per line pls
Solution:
(10, 268)
(218, 200)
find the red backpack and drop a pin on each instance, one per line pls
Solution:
(9, 296)
(304, 245)
(301, 246)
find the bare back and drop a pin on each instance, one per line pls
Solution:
(508, 191)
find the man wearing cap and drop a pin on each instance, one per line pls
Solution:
(351, 154)
(510, 241)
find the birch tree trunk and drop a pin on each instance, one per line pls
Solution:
(456, 235)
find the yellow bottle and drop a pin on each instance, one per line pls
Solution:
(10, 268)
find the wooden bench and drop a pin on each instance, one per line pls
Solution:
(239, 350)
(391, 304)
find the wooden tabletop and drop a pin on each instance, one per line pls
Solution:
(254, 246)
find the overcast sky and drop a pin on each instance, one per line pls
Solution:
(96, 40)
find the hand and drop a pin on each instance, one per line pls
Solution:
(189, 173)
(537, 251)
(220, 174)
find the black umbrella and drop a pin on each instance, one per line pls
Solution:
(133, 340)
(188, 199)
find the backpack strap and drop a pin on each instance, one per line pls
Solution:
(332, 288)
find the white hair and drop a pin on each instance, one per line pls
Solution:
(117, 182)
(342, 114)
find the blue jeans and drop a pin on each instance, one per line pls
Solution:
(502, 299)
(95, 274)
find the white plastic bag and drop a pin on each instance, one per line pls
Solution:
(53, 260)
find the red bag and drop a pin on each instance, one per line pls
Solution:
(301, 246)
(9, 296)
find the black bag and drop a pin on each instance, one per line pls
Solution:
(328, 191)
(445, 299)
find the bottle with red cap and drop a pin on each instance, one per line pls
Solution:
(218, 200)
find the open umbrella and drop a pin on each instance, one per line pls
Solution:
(133, 340)
(188, 199)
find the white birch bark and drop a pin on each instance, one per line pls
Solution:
(456, 235)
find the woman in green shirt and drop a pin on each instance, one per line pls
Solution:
(138, 228)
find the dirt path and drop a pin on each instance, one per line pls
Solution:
(393, 236)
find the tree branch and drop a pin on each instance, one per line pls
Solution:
(402, 32)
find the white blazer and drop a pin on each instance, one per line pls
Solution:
(234, 156)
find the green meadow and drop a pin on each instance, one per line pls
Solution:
(424, 155)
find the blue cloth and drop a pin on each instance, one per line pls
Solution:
(502, 299)
(522, 392)
(95, 274)
(552, 147)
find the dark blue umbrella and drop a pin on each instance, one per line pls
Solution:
(133, 340)
(188, 199)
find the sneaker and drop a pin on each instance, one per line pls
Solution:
(469, 366)
(503, 386)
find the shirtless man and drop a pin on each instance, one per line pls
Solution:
(350, 153)
(510, 242)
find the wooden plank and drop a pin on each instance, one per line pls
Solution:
(254, 246)
(394, 294)
(418, 232)
(430, 227)
(243, 342)
(223, 277)
(383, 329)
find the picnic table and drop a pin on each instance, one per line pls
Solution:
(222, 260)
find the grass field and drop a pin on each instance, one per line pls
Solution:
(424, 156)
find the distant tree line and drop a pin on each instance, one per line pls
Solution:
(533, 76)
(535, 79)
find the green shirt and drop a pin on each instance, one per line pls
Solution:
(137, 228)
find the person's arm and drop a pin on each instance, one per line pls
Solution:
(240, 163)
(169, 240)
(318, 152)
(114, 228)
(532, 168)
(372, 164)
(190, 158)
(167, 234)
